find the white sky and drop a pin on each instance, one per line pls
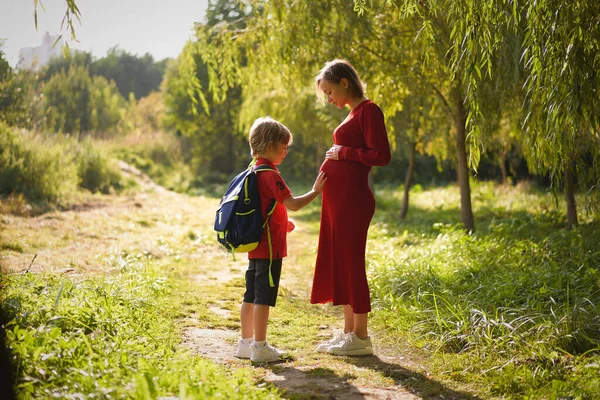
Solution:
(160, 28)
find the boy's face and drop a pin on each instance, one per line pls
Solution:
(276, 152)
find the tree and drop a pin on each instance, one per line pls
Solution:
(5, 68)
(132, 74)
(217, 140)
(67, 97)
(560, 56)
(77, 103)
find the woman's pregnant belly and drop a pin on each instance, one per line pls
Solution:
(347, 185)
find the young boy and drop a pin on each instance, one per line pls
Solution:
(269, 141)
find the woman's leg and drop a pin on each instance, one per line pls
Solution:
(247, 320)
(261, 318)
(360, 325)
(348, 319)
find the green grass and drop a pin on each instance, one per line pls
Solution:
(514, 306)
(108, 337)
(509, 311)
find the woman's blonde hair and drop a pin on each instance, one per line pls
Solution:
(336, 70)
(266, 131)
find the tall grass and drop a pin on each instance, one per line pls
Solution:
(108, 337)
(161, 156)
(38, 169)
(49, 168)
(516, 304)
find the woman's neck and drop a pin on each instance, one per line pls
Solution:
(355, 101)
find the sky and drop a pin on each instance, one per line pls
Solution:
(160, 28)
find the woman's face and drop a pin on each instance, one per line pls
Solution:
(337, 93)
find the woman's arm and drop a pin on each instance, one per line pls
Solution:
(377, 152)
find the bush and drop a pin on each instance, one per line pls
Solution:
(97, 171)
(47, 169)
(39, 169)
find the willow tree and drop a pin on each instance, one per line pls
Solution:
(562, 62)
(560, 56)
(275, 57)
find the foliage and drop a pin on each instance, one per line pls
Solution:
(5, 68)
(131, 73)
(21, 100)
(145, 115)
(67, 97)
(108, 337)
(561, 51)
(47, 169)
(76, 103)
(217, 142)
(97, 171)
(512, 306)
(139, 75)
(37, 168)
(162, 156)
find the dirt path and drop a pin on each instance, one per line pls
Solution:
(166, 224)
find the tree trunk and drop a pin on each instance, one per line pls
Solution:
(570, 195)
(462, 168)
(408, 181)
(503, 171)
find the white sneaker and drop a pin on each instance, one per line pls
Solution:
(243, 349)
(352, 345)
(337, 337)
(266, 353)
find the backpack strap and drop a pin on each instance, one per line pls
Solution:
(261, 168)
(266, 226)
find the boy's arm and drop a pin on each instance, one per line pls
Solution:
(296, 203)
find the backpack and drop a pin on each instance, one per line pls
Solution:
(238, 221)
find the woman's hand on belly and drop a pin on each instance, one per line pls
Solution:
(333, 152)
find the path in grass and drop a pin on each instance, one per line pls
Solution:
(177, 229)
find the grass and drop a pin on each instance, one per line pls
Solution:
(513, 306)
(509, 311)
(108, 337)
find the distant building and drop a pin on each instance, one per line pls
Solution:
(36, 57)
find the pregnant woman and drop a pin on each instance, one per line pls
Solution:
(360, 142)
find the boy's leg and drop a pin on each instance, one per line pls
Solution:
(247, 320)
(247, 309)
(261, 319)
(247, 315)
(265, 297)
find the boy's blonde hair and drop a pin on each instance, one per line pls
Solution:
(266, 131)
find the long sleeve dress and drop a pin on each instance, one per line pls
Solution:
(348, 206)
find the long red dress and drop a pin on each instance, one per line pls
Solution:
(348, 206)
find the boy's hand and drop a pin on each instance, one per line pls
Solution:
(319, 182)
(291, 226)
(333, 152)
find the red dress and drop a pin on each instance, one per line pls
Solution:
(348, 206)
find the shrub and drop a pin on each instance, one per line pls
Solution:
(97, 171)
(37, 168)
(45, 169)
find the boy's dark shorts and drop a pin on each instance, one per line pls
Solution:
(258, 290)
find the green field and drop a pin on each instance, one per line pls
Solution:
(509, 311)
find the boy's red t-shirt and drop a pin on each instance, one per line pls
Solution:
(272, 186)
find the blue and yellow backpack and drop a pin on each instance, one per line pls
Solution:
(238, 221)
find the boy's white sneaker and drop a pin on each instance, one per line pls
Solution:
(352, 345)
(337, 337)
(243, 349)
(264, 354)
